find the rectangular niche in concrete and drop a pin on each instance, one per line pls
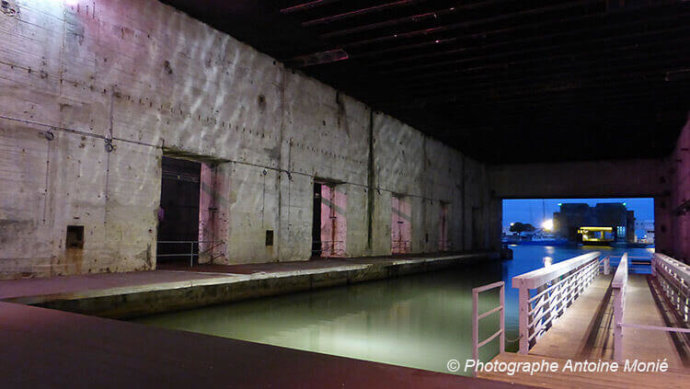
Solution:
(269, 237)
(75, 237)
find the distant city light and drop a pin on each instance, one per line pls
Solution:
(512, 224)
(560, 204)
(547, 224)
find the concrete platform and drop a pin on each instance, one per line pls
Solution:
(128, 295)
(46, 348)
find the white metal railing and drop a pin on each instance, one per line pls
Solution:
(476, 317)
(619, 286)
(673, 276)
(605, 265)
(555, 288)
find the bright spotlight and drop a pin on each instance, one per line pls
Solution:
(547, 225)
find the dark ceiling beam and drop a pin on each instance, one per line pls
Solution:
(640, 79)
(513, 30)
(612, 95)
(361, 12)
(534, 41)
(665, 59)
(417, 18)
(307, 6)
(561, 63)
(412, 46)
(467, 24)
(547, 49)
(576, 88)
(573, 90)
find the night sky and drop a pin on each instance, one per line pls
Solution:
(535, 211)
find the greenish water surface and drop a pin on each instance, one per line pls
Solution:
(418, 321)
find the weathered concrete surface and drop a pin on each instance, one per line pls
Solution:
(673, 210)
(78, 76)
(624, 178)
(79, 351)
(169, 291)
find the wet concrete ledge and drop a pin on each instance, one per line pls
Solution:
(139, 300)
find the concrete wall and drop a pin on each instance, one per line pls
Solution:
(674, 211)
(80, 76)
(624, 178)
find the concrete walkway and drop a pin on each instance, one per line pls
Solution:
(585, 331)
(49, 348)
(127, 295)
(46, 348)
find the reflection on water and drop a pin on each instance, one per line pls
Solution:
(418, 321)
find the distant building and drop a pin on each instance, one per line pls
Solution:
(644, 231)
(573, 216)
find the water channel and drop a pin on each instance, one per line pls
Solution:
(418, 321)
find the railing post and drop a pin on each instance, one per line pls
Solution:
(523, 320)
(619, 284)
(618, 324)
(607, 265)
(475, 325)
(618, 328)
(502, 301)
(476, 317)
(191, 254)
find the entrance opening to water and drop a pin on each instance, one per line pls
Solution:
(590, 221)
(178, 215)
(600, 224)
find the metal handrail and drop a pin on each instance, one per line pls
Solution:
(554, 305)
(476, 345)
(191, 254)
(672, 275)
(556, 287)
(619, 287)
(328, 247)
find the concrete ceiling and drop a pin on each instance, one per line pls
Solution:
(503, 81)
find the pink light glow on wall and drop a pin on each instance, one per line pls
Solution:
(333, 222)
(213, 219)
(401, 229)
